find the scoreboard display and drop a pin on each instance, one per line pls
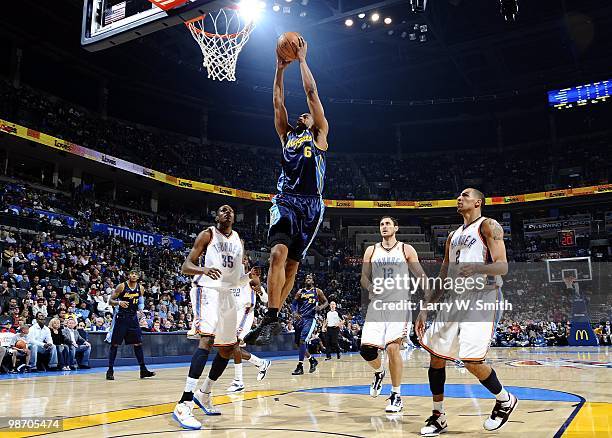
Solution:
(567, 238)
(580, 95)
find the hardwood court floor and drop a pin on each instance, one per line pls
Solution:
(562, 391)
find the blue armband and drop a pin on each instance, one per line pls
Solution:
(141, 303)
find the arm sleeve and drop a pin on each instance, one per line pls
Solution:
(264, 295)
(294, 305)
(141, 303)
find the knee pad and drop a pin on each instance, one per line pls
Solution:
(437, 377)
(368, 352)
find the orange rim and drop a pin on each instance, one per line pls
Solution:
(192, 27)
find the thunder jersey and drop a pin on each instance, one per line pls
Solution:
(467, 245)
(225, 254)
(131, 296)
(390, 263)
(303, 165)
(307, 303)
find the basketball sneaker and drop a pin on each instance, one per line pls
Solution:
(395, 403)
(263, 369)
(262, 335)
(313, 364)
(435, 425)
(204, 401)
(144, 373)
(501, 413)
(183, 415)
(299, 370)
(377, 383)
(110, 375)
(236, 386)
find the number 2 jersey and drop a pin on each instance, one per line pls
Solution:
(224, 253)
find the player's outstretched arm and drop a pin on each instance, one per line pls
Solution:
(190, 265)
(312, 97)
(281, 120)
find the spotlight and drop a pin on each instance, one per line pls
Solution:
(304, 2)
(362, 15)
(276, 8)
(509, 9)
(286, 10)
(415, 27)
(375, 17)
(423, 38)
(288, 1)
(388, 20)
(412, 36)
(423, 28)
(303, 14)
(348, 22)
(418, 5)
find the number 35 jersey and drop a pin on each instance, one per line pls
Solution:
(390, 263)
(225, 254)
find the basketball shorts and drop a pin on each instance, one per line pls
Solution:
(304, 329)
(294, 222)
(126, 329)
(214, 314)
(463, 335)
(245, 317)
(383, 327)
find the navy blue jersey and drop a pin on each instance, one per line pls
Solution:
(307, 303)
(131, 296)
(303, 165)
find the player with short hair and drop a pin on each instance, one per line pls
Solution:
(476, 250)
(305, 305)
(214, 309)
(297, 210)
(246, 298)
(129, 298)
(385, 328)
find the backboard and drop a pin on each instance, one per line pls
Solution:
(578, 268)
(107, 23)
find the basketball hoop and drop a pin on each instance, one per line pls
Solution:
(221, 44)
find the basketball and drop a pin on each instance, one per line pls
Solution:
(285, 47)
(21, 344)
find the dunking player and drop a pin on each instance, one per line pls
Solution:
(305, 306)
(385, 328)
(297, 210)
(214, 309)
(246, 297)
(476, 250)
(129, 297)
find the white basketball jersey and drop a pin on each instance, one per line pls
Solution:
(390, 263)
(225, 254)
(467, 245)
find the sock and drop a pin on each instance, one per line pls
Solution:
(380, 369)
(207, 385)
(238, 372)
(255, 360)
(492, 384)
(272, 314)
(397, 389)
(198, 362)
(190, 386)
(112, 356)
(139, 356)
(218, 366)
(439, 406)
(503, 396)
(302, 352)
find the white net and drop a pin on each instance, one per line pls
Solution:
(221, 35)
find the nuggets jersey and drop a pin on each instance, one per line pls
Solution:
(225, 254)
(307, 303)
(131, 296)
(467, 245)
(390, 263)
(303, 165)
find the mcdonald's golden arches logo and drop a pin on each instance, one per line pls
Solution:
(582, 334)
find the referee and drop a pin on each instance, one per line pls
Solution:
(333, 329)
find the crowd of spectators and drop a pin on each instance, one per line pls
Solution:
(437, 175)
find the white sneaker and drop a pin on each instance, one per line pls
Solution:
(395, 403)
(183, 414)
(501, 413)
(435, 425)
(263, 369)
(236, 386)
(204, 401)
(376, 386)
